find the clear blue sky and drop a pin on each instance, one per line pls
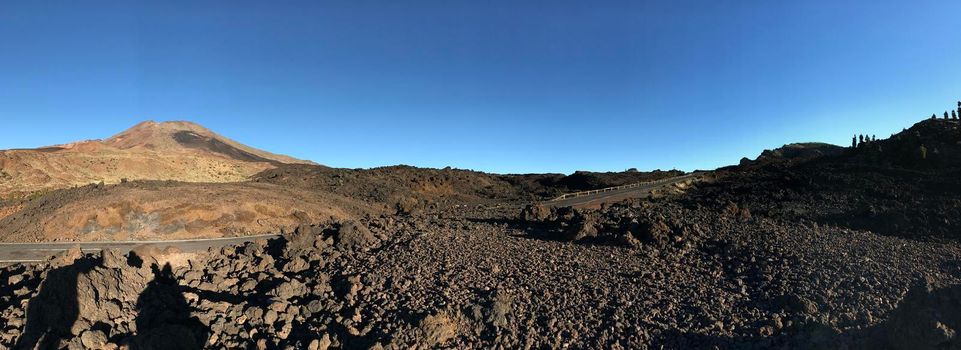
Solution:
(502, 86)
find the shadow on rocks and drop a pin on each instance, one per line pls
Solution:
(534, 230)
(52, 313)
(929, 317)
(580, 226)
(163, 316)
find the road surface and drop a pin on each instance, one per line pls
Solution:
(618, 194)
(37, 252)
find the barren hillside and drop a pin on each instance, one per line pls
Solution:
(180, 151)
(152, 210)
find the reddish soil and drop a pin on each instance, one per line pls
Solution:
(179, 151)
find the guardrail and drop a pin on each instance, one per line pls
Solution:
(622, 187)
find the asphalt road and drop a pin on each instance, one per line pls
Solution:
(37, 252)
(596, 199)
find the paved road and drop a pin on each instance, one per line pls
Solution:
(618, 195)
(36, 252)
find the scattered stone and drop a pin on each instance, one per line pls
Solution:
(93, 339)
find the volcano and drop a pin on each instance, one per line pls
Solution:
(175, 150)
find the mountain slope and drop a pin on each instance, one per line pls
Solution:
(181, 151)
(153, 210)
(177, 135)
(907, 185)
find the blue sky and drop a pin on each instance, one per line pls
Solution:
(502, 86)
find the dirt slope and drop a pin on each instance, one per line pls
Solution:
(181, 151)
(152, 210)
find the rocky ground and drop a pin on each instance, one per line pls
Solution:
(852, 248)
(406, 189)
(274, 199)
(482, 278)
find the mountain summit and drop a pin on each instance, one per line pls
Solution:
(176, 150)
(180, 135)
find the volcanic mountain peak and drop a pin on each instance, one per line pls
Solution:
(151, 134)
(177, 150)
(185, 135)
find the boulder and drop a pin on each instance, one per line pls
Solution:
(535, 213)
(92, 339)
(66, 257)
(289, 289)
(352, 235)
(112, 259)
(796, 303)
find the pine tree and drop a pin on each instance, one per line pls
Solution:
(945, 114)
(860, 139)
(854, 141)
